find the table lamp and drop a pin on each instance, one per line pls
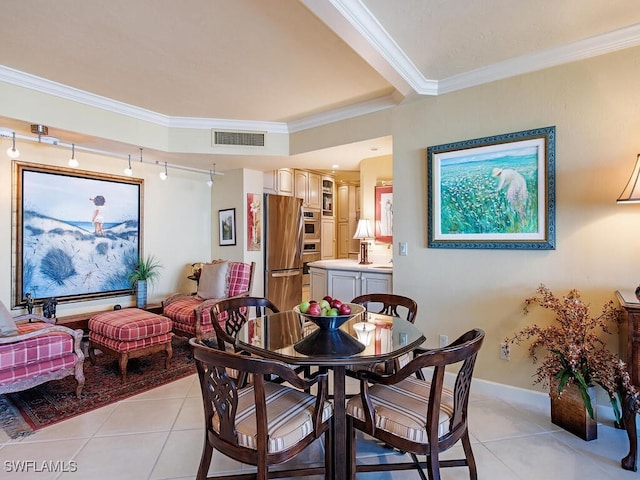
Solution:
(364, 232)
(631, 194)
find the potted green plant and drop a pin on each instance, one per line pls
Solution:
(146, 272)
(575, 353)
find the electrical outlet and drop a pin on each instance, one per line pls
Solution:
(444, 340)
(505, 351)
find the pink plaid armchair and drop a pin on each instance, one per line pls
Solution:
(191, 312)
(33, 350)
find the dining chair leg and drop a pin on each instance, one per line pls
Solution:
(433, 466)
(328, 451)
(416, 462)
(351, 449)
(205, 460)
(468, 453)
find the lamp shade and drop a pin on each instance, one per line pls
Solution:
(363, 230)
(631, 193)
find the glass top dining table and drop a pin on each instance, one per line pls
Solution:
(289, 337)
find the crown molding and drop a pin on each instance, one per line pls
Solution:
(228, 124)
(361, 19)
(39, 84)
(368, 26)
(579, 50)
(345, 113)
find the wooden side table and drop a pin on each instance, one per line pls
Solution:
(630, 354)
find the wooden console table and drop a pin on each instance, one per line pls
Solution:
(630, 354)
(81, 320)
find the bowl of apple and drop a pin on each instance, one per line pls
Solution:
(328, 313)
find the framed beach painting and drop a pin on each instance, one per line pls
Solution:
(76, 234)
(227, 226)
(493, 192)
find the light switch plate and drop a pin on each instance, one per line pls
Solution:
(402, 247)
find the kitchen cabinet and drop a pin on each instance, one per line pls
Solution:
(347, 279)
(347, 220)
(308, 187)
(328, 205)
(343, 240)
(327, 238)
(344, 284)
(280, 182)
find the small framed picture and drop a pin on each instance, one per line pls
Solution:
(227, 225)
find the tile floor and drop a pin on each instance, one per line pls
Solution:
(158, 435)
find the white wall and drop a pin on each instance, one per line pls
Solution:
(230, 191)
(176, 217)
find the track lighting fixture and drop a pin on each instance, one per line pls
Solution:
(127, 171)
(13, 151)
(164, 174)
(211, 174)
(72, 161)
(43, 137)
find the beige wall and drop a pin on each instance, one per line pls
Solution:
(594, 105)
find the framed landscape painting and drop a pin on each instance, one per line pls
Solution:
(493, 192)
(76, 234)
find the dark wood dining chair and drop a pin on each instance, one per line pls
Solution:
(392, 305)
(416, 415)
(262, 423)
(231, 314)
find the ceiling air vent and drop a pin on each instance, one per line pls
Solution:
(244, 139)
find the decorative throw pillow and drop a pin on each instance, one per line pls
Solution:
(7, 325)
(213, 280)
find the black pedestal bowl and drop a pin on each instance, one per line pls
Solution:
(328, 339)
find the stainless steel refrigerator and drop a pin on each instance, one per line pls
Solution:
(283, 224)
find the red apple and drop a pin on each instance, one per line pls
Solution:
(336, 303)
(328, 299)
(313, 301)
(345, 309)
(314, 309)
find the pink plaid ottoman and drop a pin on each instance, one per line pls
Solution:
(129, 333)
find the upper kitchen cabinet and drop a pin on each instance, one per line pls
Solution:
(308, 187)
(328, 204)
(280, 182)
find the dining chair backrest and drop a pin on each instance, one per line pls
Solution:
(261, 423)
(231, 314)
(405, 395)
(390, 303)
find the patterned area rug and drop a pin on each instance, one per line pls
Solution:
(23, 412)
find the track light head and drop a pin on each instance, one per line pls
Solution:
(72, 161)
(12, 151)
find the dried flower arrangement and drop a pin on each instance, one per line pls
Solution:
(575, 352)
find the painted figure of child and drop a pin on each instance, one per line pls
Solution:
(98, 218)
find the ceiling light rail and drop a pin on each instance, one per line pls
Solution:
(8, 133)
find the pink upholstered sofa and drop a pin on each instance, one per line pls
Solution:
(34, 350)
(191, 312)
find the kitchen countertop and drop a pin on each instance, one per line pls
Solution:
(352, 265)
